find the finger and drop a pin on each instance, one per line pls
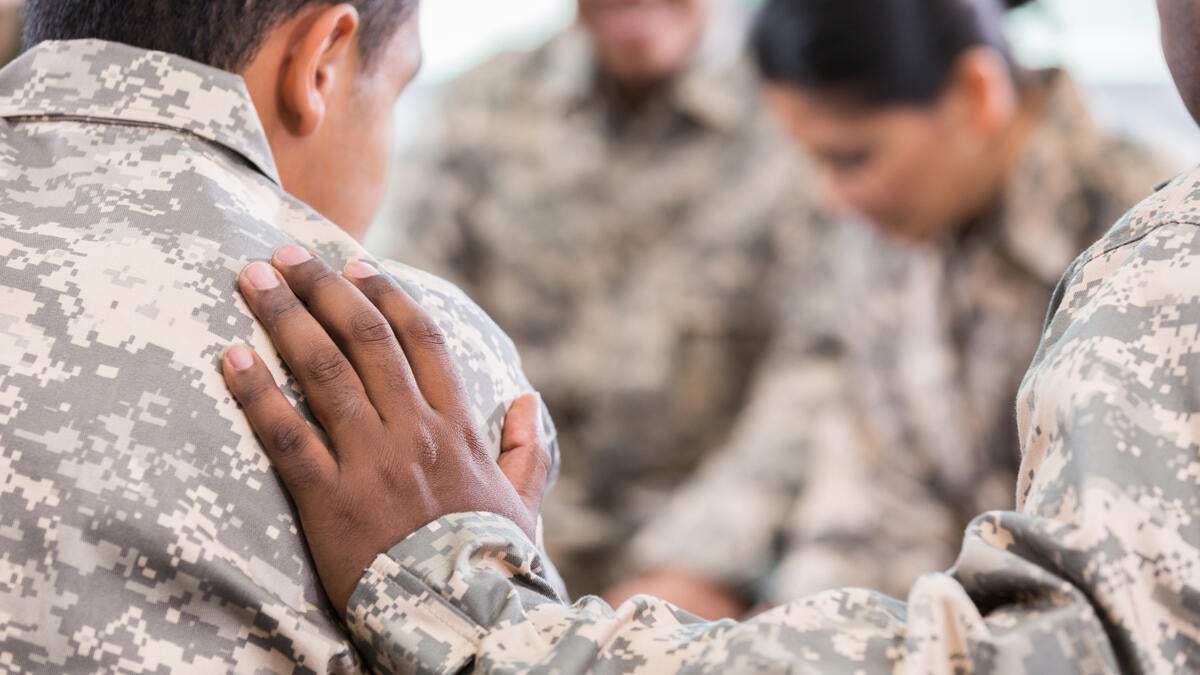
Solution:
(301, 460)
(330, 385)
(524, 455)
(357, 326)
(522, 424)
(423, 342)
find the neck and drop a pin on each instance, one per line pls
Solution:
(626, 97)
(1005, 154)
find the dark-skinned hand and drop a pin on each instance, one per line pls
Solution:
(403, 450)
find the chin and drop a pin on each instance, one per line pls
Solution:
(902, 232)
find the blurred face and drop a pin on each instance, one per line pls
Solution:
(641, 42)
(347, 170)
(895, 166)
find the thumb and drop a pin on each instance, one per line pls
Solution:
(524, 455)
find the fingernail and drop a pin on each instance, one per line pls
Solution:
(357, 269)
(261, 276)
(292, 255)
(239, 358)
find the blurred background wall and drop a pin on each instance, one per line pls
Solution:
(1112, 47)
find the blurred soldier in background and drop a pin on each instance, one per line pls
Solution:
(615, 200)
(865, 451)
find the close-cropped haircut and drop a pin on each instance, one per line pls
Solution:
(224, 34)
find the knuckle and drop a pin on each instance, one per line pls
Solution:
(288, 441)
(425, 446)
(304, 475)
(348, 406)
(325, 366)
(318, 277)
(288, 438)
(255, 390)
(425, 331)
(281, 310)
(379, 288)
(475, 446)
(544, 459)
(370, 328)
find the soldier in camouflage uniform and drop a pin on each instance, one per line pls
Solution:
(909, 397)
(1097, 569)
(906, 401)
(141, 527)
(629, 248)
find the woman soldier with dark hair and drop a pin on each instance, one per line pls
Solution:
(866, 452)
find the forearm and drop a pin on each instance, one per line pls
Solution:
(464, 592)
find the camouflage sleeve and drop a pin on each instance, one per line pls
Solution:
(1095, 572)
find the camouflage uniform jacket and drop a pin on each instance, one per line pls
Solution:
(1097, 570)
(631, 256)
(141, 526)
(862, 457)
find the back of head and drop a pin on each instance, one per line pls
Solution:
(877, 51)
(221, 33)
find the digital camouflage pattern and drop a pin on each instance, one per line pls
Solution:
(902, 396)
(634, 258)
(141, 526)
(1096, 571)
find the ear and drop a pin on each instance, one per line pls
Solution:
(983, 93)
(321, 55)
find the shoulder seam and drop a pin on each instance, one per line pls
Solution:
(1126, 242)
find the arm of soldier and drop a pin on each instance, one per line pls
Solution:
(1090, 573)
(380, 379)
(1093, 570)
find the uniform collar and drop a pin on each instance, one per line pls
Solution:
(1039, 223)
(112, 82)
(702, 93)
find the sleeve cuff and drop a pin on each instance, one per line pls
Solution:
(427, 603)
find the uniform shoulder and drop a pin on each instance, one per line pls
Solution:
(1175, 203)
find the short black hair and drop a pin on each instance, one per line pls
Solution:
(224, 34)
(875, 52)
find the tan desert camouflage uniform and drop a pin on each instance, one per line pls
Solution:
(1097, 570)
(632, 258)
(863, 457)
(141, 526)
